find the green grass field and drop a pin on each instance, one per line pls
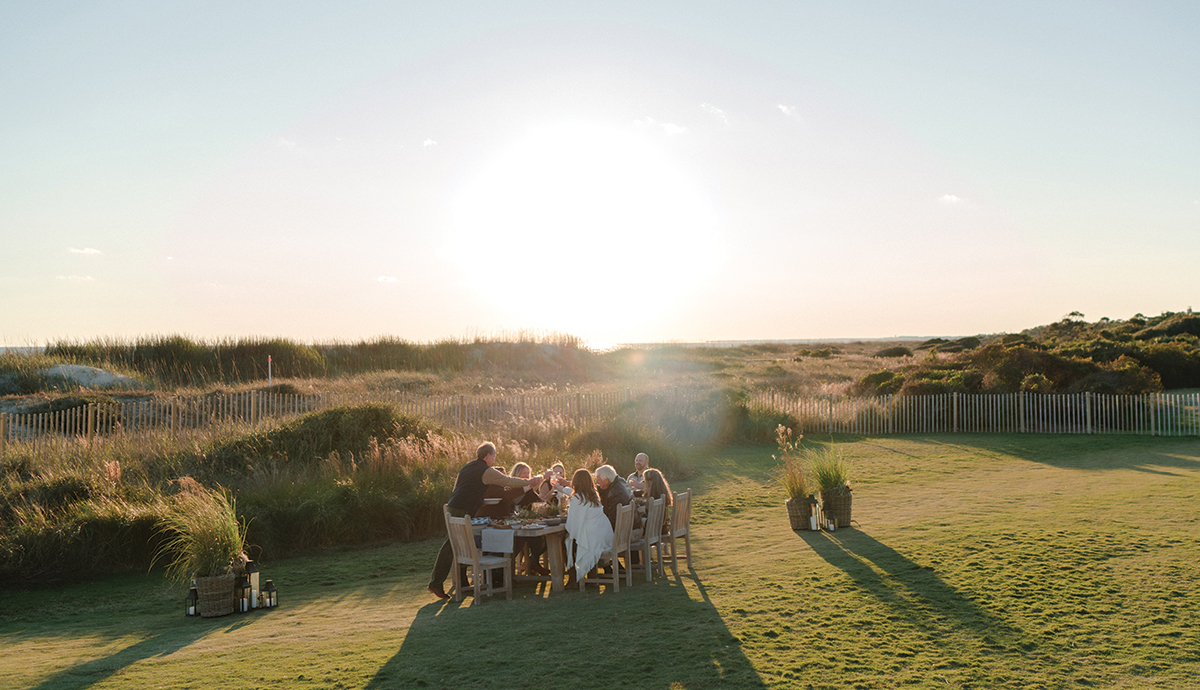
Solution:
(977, 561)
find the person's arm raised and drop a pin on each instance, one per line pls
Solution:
(493, 476)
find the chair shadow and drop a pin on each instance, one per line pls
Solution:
(913, 592)
(572, 639)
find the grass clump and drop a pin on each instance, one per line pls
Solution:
(790, 473)
(204, 536)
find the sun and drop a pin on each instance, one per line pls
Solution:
(578, 226)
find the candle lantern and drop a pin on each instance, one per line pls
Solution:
(252, 573)
(191, 603)
(270, 595)
(243, 594)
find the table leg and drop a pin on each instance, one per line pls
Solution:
(554, 557)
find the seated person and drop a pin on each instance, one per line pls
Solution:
(636, 480)
(657, 487)
(613, 492)
(508, 495)
(589, 534)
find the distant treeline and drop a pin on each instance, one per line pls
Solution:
(1138, 355)
(182, 361)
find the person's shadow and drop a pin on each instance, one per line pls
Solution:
(912, 591)
(89, 673)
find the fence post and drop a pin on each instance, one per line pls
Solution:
(3, 431)
(954, 408)
(1087, 406)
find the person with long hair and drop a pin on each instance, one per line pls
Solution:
(657, 487)
(589, 533)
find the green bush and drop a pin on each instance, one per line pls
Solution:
(894, 351)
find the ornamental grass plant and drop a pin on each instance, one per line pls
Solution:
(790, 473)
(204, 537)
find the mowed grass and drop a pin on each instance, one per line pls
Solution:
(976, 561)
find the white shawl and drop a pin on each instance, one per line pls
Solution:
(590, 531)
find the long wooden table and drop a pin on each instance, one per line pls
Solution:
(555, 536)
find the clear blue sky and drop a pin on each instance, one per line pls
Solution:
(619, 171)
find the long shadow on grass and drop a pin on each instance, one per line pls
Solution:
(651, 635)
(1150, 454)
(89, 673)
(914, 592)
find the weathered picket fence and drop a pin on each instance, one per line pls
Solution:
(1079, 413)
(95, 421)
(1161, 414)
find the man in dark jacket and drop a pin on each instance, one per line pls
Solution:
(613, 492)
(469, 491)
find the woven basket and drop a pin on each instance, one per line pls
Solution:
(798, 513)
(839, 504)
(216, 595)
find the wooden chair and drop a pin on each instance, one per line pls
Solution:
(652, 536)
(462, 542)
(681, 520)
(621, 546)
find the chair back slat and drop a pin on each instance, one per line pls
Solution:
(682, 515)
(654, 519)
(462, 540)
(624, 530)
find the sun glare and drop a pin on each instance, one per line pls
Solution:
(577, 226)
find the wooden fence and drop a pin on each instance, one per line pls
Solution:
(1080, 413)
(96, 421)
(1075, 413)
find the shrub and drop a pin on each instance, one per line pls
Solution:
(894, 351)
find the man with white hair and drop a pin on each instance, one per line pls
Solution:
(613, 491)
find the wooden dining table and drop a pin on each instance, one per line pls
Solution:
(555, 536)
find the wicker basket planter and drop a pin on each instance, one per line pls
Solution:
(799, 511)
(216, 597)
(839, 504)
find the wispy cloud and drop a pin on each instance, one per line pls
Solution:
(429, 142)
(789, 110)
(85, 250)
(669, 127)
(715, 112)
(950, 199)
(285, 144)
(76, 279)
(386, 279)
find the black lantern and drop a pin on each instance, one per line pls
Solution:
(191, 603)
(243, 594)
(270, 595)
(252, 573)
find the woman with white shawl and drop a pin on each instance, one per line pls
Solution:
(588, 528)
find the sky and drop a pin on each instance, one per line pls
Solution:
(617, 171)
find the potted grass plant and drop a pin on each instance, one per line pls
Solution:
(792, 477)
(205, 542)
(831, 475)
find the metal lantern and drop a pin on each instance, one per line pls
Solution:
(191, 603)
(252, 573)
(243, 594)
(270, 595)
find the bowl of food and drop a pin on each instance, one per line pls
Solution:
(491, 501)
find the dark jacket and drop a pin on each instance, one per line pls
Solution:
(617, 494)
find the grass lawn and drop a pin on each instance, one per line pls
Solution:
(977, 561)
